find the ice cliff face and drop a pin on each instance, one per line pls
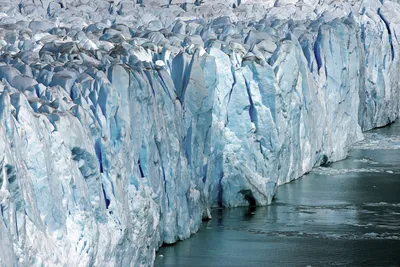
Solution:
(122, 124)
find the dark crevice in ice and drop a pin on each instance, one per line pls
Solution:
(317, 53)
(158, 145)
(106, 200)
(389, 32)
(140, 169)
(2, 215)
(252, 109)
(188, 145)
(248, 196)
(220, 190)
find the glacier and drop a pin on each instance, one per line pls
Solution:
(122, 123)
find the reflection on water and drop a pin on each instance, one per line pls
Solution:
(345, 214)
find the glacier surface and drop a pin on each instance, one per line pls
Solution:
(122, 123)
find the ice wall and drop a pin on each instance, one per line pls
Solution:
(123, 123)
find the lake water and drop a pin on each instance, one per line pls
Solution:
(344, 214)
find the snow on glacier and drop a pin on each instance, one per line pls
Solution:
(122, 124)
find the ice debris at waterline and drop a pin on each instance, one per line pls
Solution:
(123, 123)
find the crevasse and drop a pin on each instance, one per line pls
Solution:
(122, 124)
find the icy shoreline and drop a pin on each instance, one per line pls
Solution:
(121, 125)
